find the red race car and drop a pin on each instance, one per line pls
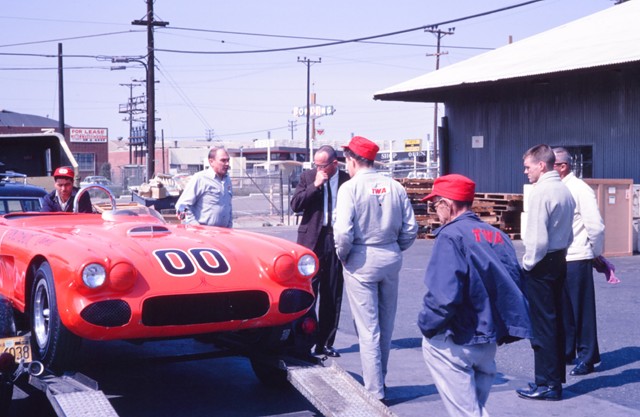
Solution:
(127, 274)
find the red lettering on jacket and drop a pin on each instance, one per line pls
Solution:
(490, 236)
(378, 191)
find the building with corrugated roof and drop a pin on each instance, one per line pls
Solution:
(577, 86)
(90, 152)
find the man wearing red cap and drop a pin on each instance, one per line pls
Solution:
(374, 224)
(473, 300)
(61, 199)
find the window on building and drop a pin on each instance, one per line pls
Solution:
(582, 160)
(86, 162)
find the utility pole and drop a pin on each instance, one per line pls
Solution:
(130, 108)
(292, 127)
(308, 63)
(60, 92)
(150, 23)
(439, 35)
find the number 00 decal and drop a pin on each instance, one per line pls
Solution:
(178, 263)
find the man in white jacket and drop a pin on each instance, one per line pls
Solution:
(579, 312)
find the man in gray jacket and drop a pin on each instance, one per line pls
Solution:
(374, 224)
(547, 236)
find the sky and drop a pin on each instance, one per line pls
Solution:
(210, 84)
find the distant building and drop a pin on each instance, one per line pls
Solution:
(574, 86)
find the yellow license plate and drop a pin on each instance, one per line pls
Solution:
(18, 346)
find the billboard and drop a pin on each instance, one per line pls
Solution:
(89, 135)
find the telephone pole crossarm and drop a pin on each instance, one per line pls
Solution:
(150, 23)
(439, 35)
(308, 63)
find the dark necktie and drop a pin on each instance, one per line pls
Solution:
(329, 205)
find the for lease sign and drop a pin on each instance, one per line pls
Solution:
(89, 135)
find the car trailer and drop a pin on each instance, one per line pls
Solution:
(73, 395)
(329, 388)
(334, 392)
(70, 395)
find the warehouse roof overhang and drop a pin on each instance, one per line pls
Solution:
(605, 39)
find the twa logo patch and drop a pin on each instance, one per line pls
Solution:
(379, 190)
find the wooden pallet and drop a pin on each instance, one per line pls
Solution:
(497, 209)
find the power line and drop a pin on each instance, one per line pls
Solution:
(269, 35)
(362, 39)
(97, 35)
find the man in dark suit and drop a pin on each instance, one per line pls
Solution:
(316, 196)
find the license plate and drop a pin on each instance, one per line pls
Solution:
(18, 346)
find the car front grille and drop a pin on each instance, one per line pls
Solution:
(293, 301)
(109, 313)
(181, 310)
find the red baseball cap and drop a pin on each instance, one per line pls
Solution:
(63, 172)
(454, 186)
(363, 147)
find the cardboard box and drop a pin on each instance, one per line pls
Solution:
(158, 191)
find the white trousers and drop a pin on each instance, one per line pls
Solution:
(371, 281)
(463, 375)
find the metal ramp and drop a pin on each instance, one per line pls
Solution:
(74, 395)
(334, 392)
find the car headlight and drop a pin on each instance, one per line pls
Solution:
(284, 268)
(122, 276)
(94, 275)
(307, 265)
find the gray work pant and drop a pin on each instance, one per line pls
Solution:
(371, 277)
(462, 374)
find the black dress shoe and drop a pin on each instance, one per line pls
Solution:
(540, 392)
(582, 368)
(328, 351)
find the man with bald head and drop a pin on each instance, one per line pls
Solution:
(579, 306)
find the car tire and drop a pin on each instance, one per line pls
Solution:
(52, 343)
(268, 372)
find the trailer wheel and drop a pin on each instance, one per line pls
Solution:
(52, 343)
(7, 329)
(6, 395)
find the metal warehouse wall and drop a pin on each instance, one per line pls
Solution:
(600, 109)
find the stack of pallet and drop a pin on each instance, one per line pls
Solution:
(499, 210)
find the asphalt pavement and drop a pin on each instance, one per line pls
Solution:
(612, 390)
(227, 387)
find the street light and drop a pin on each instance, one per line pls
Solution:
(151, 111)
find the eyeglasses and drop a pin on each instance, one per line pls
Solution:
(323, 166)
(559, 164)
(434, 205)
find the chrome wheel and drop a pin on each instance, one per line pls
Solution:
(52, 343)
(41, 314)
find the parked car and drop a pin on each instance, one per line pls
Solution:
(127, 274)
(17, 195)
(104, 181)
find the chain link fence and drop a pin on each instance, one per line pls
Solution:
(263, 196)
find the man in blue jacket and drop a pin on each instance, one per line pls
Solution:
(62, 198)
(473, 300)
